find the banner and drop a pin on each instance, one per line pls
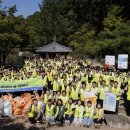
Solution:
(109, 102)
(90, 96)
(123, 61)
(110, 60)
(21, 85)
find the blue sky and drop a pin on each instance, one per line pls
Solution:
(24, 7)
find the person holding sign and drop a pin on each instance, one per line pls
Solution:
(98, 116)
(117, 91)
(104, 89)
(88, 114)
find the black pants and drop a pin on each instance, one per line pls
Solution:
(33, 120)
(101, 102)
(69, 117)
(59, 120)
(96, 121)
(49, 85)
(117, 105)
(128, 108)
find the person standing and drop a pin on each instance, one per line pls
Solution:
(117, 91)
(127, 89)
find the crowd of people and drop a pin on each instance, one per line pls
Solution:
(64, 84)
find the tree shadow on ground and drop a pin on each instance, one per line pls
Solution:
(10, 124)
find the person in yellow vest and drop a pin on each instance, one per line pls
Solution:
(44, 81)
(88, 114)
(59, 113)
(74, 92)
(35, 112)
(64, 98)
(65, 87)
(82, 92)
(47, 96)
(49, 78)
(56, 84)
(127, 90)
(111, 84)
(117, 91)
(69, 111)
(78, 114)
(94, 89)
(49, 113)
(98, 116)
(104, 89)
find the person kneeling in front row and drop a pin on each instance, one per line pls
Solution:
(88, 114)
(34, 114)
(98, 116)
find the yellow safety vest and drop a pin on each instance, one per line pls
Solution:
(116, 91)
(56, 85)
(128, 93)
(46, 98)
(82, 94)
(69, 109)
(88, 111)
(49, 110)
(74, 93)
(78, 111)
(49, 75)
(95, 90)
(67, 89)
(102, 92)
(64, 99)
(44, 81)
(98, 113)
(32, 112)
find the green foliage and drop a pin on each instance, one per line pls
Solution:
(13, 32)
(91, 27)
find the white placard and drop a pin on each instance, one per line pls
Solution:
(123, 61)
(110, 60)
(89, 94)
(109, 102)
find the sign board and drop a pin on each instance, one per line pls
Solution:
(110, 60)
(123, 61)
(109, 102)
(90, 96)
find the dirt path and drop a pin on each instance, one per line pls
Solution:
(21, 123)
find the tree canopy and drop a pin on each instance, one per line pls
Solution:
(90, 27)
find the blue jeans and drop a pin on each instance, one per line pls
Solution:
(87, 121)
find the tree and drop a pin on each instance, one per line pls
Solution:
(13, 32)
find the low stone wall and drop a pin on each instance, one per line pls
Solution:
(118, 121)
